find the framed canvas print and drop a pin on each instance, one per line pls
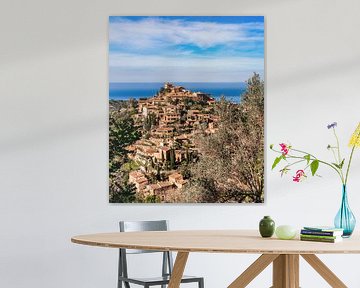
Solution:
(186, 109)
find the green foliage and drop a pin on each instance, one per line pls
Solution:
(152, 199)
(172, 159)
(284, 171)
(276, 162)
(149, 122)
(130, 166)
(231, 166)
(174, 101)
(339, 166)
(121, 192)
(158, 172)
(314, 166)
(296, 156)
(188, 103)
(122, 133)
(185, 170)
(118, 105)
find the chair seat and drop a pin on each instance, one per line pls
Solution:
(158, 280)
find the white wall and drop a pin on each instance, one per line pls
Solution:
(53, 143)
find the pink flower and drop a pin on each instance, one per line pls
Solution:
(300, 174)
(284, 148)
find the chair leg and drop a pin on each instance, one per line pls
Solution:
(201, 283)
(126, 284)
(119, 270)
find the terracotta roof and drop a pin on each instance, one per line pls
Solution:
(176, 175)
(150, 150)
(160, 185)
(136, 174)
(130, 148)
(165, 129)
(165, 184)
(141, 180)
(164, 148)
(153, 186)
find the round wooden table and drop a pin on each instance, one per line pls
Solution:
(284, 254)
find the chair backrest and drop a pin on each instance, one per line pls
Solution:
(135, 226)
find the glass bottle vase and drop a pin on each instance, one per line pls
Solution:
(345, 219)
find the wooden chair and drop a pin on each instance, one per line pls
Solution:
(167, 262)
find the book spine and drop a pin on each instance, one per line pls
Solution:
(319, 236)
(317, 239)
(320, 233)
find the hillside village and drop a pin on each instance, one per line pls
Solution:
(170, 124)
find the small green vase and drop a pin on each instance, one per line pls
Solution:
(267, 227)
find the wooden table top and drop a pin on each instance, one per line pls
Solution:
(217, 241)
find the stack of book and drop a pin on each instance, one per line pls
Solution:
(321, 234)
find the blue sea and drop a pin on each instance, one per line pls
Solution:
(230, 90)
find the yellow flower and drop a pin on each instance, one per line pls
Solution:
(355, 137)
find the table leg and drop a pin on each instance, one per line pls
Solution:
(178, 269)
(253, 270)
(324, 271)
(286, 271)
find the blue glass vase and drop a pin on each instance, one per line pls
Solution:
(345, 219)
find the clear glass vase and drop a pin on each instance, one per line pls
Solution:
(345, 219)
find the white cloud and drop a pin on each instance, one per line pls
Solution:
(156, 49)
(155, 32)
(144, 61)
(139, 68)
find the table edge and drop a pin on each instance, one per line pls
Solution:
(203, 250)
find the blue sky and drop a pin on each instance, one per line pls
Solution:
(185, 49)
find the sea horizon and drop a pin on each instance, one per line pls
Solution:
(232, 91)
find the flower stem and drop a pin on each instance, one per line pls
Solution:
(312, 159)
(333, 152)
(339, 156)
(304, 152)
(296, 162)
(348, 167)
(323, 162)
(338, 145)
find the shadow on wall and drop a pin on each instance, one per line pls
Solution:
(315, 73)
(53, 136)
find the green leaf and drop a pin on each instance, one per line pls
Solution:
(336, 165)
(307, 157)
(271, 146)
(276, 162)
(314, 166)
(339, 166)
(284, 171)
(342, 163)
